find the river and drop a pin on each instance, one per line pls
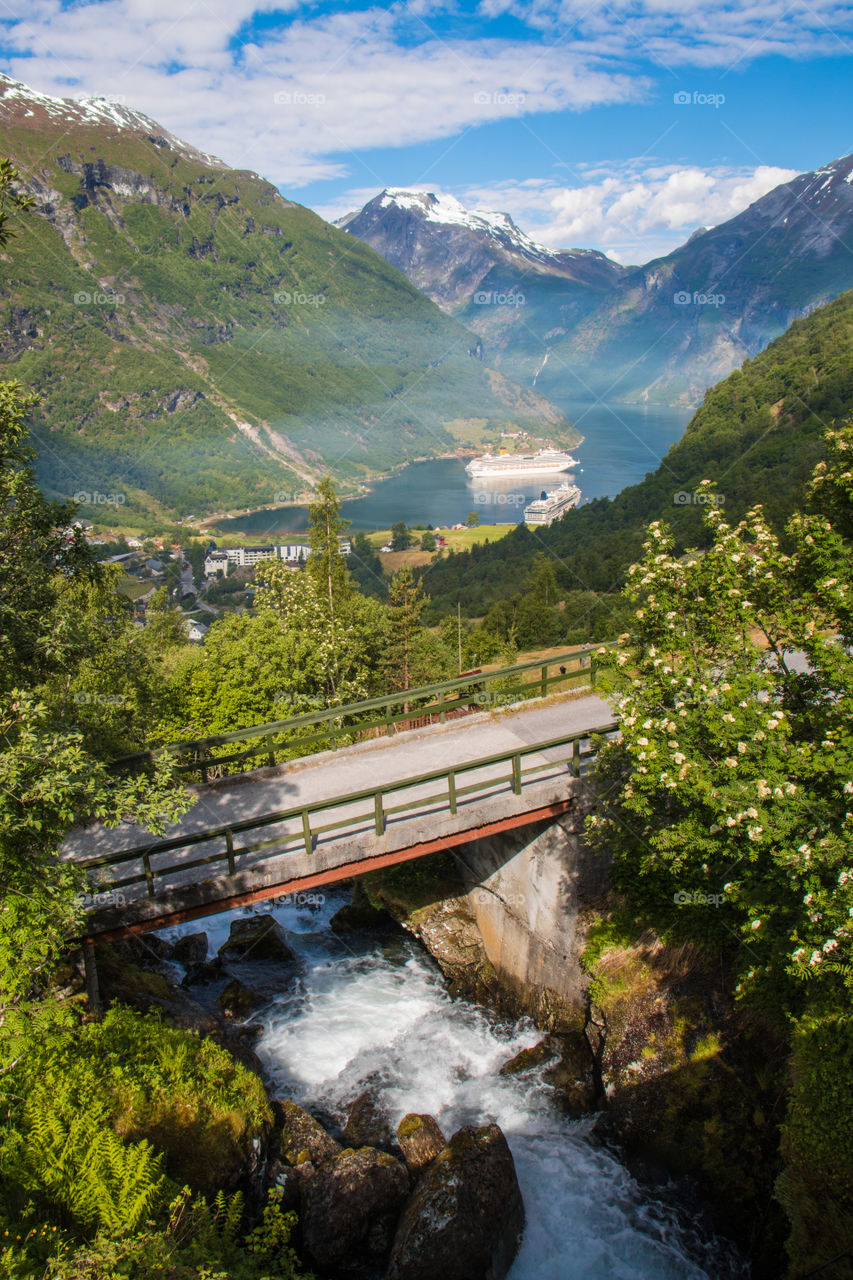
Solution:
(374, 1012)
(622, 442)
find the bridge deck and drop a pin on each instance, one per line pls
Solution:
(417, 819)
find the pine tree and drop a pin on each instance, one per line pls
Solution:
(326, 564)
(406, 603)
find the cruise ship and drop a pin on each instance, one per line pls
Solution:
(545, 462)
(551, 506)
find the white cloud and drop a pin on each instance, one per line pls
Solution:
(633, 213)
(700, 33)
(311, 91)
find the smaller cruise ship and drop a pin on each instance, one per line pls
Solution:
(545, 462)
(550, 506)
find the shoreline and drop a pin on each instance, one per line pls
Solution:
(366, 488)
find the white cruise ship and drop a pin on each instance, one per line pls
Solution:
(551, 506)
(545, 462)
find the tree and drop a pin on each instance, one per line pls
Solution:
(326, 565)
(401, 539)
(196, 553)
(406, 603)
(730, 783)
(427, 542)
(365, 567)
(472, 519)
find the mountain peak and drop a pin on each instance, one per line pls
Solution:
(20, 104)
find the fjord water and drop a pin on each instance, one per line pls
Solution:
(367, 1013)
(622, 442)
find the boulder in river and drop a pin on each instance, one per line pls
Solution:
(203, 972)
(237, 1000)
(465, 1219)
(190, 949)
(368, 1125)
(527, 1058)
(421, 1141)
(301, 1137)
(256, 938)
(348, 1208)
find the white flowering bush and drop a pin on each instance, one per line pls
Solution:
(728, 799)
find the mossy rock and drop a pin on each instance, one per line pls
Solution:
(465, 1218)
(526, 1059)
(421, 1141)
(258, 937)
(237, 1000)
(300, 1138)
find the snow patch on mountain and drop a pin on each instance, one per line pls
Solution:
(17, 99)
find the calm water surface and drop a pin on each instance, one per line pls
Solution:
(621, 444)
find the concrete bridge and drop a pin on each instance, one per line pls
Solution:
(325, 818)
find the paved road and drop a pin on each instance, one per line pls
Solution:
(359, 767)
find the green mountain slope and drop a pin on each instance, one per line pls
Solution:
(757, 435)
(199, 342)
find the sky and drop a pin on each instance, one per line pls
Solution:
(620, 126)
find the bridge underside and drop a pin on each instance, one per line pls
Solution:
(279, 876)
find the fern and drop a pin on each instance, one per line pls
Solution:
(82, 1165)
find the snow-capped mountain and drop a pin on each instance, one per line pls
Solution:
(190, 332)
(673, 327)
(573, 323)
(22, 104)
(448, 251)
(485, 270)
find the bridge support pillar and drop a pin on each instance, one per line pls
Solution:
(527, 890)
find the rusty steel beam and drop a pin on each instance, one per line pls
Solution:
(334, 875)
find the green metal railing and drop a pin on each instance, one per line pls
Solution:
(278, 740)
(373, 811)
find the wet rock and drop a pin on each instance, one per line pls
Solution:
(359, 914)
(573, 1076)
(237, 1000)
(256, 938)
(421, 1141)
(301, 1137)
(348, 1208)
(367, 1124)
(450, 933)
(190, 949)
(203, 973)
(146, 949)
(465, 1219)
(527, 1058)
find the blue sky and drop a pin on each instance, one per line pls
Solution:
(620, 126)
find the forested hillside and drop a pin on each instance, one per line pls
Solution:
(199, 343)
(757, 436)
